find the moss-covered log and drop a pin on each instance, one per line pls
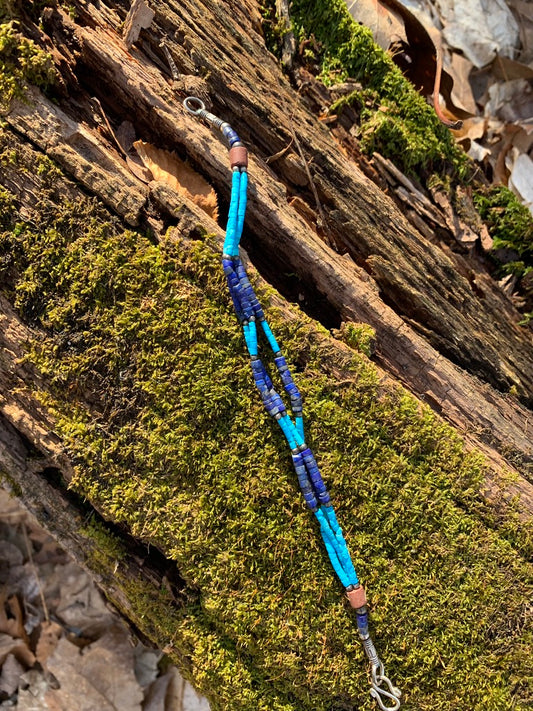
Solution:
(123, 376)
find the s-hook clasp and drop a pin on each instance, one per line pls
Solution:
(378, 692)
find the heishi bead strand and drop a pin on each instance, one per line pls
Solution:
(250, 314)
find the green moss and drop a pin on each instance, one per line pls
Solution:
(106, 549)
(153, 397)
(510, 224)
(22, 63)
(397, 122)
(395, 119)
(360, 336)
(10, 483)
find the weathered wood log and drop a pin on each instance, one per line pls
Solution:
(436, 293)
(440, 322)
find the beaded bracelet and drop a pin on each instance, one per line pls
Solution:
(315, 493)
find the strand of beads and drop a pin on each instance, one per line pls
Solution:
(249, 313)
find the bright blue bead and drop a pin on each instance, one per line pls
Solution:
(270, 336)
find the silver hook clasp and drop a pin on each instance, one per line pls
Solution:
(189, 105)
(379, 693)
(196, 107)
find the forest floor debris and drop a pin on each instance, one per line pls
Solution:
(62, 648)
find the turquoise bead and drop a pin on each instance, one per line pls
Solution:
(270, 337)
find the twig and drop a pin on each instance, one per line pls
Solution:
(280, 154)
(322, 217)
(170, 60)
(30, 558)
(108, 125)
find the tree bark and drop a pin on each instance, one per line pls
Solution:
(443, 327)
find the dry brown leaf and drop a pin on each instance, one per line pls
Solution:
(479, 28)
(95, 679)
(171, 692)
(146, 667)
(462, 91)
(10, 554)
(521, 180)
(416, 45)
(12, 624)
(473, 128)
(506, 69)
(18, 648)
(386, 25)
(168, 168)
(49, 637)
(12, 670)
(80, 605)
(138, 169)
(32, 692)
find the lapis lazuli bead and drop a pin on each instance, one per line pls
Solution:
(248, 308)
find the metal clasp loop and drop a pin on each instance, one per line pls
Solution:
(194, 100)
(379, 693)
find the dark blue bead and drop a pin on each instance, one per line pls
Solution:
(324, 498)
(362, 622)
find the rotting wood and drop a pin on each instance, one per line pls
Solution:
(139, 17)
(436, 314)
(20, 382)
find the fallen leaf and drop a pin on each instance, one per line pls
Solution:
(93, 679)
(472, 128)
(521, 180)
(17, 647)
(524, 10)
(479, 28)
(171, 692)
(510, 101)
(417, 50)
(80, 606)
(506, 69)
(33, 687)
(146, 665)
(12, 617)
(168, 168)
(462, 95)
(49, 637)
(10, 554)
(478, 152)
(12, 670)
(386, 25)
